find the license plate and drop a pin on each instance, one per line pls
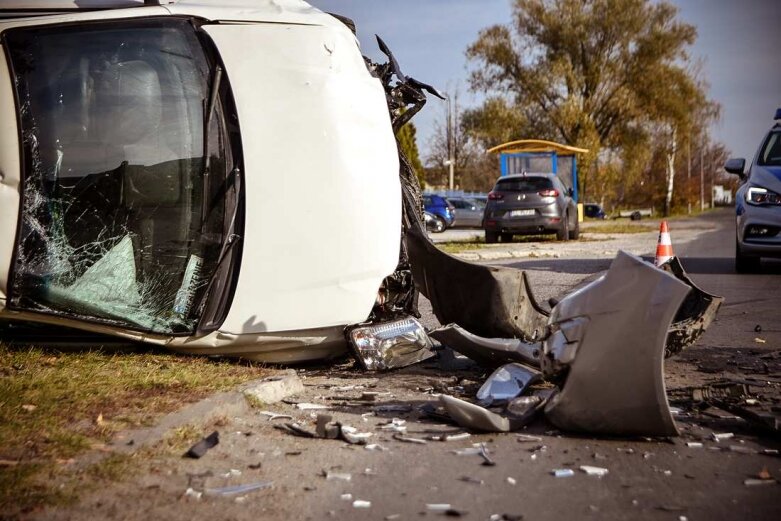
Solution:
(521, 213)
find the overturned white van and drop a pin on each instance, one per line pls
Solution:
(215, 176)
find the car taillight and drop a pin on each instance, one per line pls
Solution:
(493, 196)
(548, 193)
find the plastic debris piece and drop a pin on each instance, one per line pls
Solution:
(408, 439)
(563, 473)
(338, 476)
(770, 452)
(741, 449)
(231, 473)
(487, 461)
(760, 340)
(694, 444)
(438, 507)
(360, 503)
(764, 474)
(506, 517)
(275, 416)
(523, 438)
(200, 448)
(375, 447)
(594, 471)
(191, 492)
(721, 436)
(470, 479)
(454, 437)
(396, 425)
(392, 408)
(346, 497)
(675, 411)
(238, 489)
(391, 517)
(752, 401)
(753, 482)
(511, 481)
(311, 406)
(505, 383)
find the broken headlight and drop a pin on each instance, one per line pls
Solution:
(389, 345)
(760, 196)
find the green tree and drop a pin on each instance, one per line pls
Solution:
(409, 146)
(591, 73)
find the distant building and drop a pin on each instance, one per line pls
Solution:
(721, 196)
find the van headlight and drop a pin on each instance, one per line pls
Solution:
(390, 345)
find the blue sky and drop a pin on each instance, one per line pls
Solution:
(738, 41)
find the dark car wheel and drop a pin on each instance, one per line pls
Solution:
(562, 234)
(439, 225)
(507, 237)
(636, 216)
(574, 230)
(745, 263)
(491, 237)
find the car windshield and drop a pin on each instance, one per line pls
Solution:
(771, 150)
(524, 184)
(116, 225)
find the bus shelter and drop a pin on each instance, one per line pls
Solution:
(540, 156)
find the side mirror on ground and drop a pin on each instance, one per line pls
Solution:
(735, 166)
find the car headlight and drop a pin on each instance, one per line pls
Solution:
(761, 196)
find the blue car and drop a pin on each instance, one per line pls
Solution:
(441, 209)
(758, 203)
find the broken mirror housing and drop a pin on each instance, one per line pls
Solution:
(151, 158)
(390, 345)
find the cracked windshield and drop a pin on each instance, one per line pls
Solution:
(115, 227)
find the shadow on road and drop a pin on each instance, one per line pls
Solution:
(574, 266)
(726, 266)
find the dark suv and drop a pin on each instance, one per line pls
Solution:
(441, 209)
(530, 204)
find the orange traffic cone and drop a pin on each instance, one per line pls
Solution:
(664, 247)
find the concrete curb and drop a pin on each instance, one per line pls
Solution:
(231, 403)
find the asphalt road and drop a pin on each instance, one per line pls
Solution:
(647, 479)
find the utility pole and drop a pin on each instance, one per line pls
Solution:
(451, 162)
(702, 173)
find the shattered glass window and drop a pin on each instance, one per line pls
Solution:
(117, 225)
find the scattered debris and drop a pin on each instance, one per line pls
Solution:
(764, 474)
(375, 447)
(191, 492)
(200, 448)
(563, 473)
(752, 482)
(594, 471)
(487, 461)
(470, 451)
(524, 438)
(337, 476)
(438, 507)
(511, 481)
(757, 328)
(311, 406)
(470, 479)
(231, 473)
(28, 407)
(407, 439)
(275, 416)
(346, 497)
(360, 503)
(760, 340)
(451, 437)
(238, 489)
(506, 383)
(392, 408)
(721, 436)
(694, 444)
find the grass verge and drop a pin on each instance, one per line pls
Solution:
(55, 405)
